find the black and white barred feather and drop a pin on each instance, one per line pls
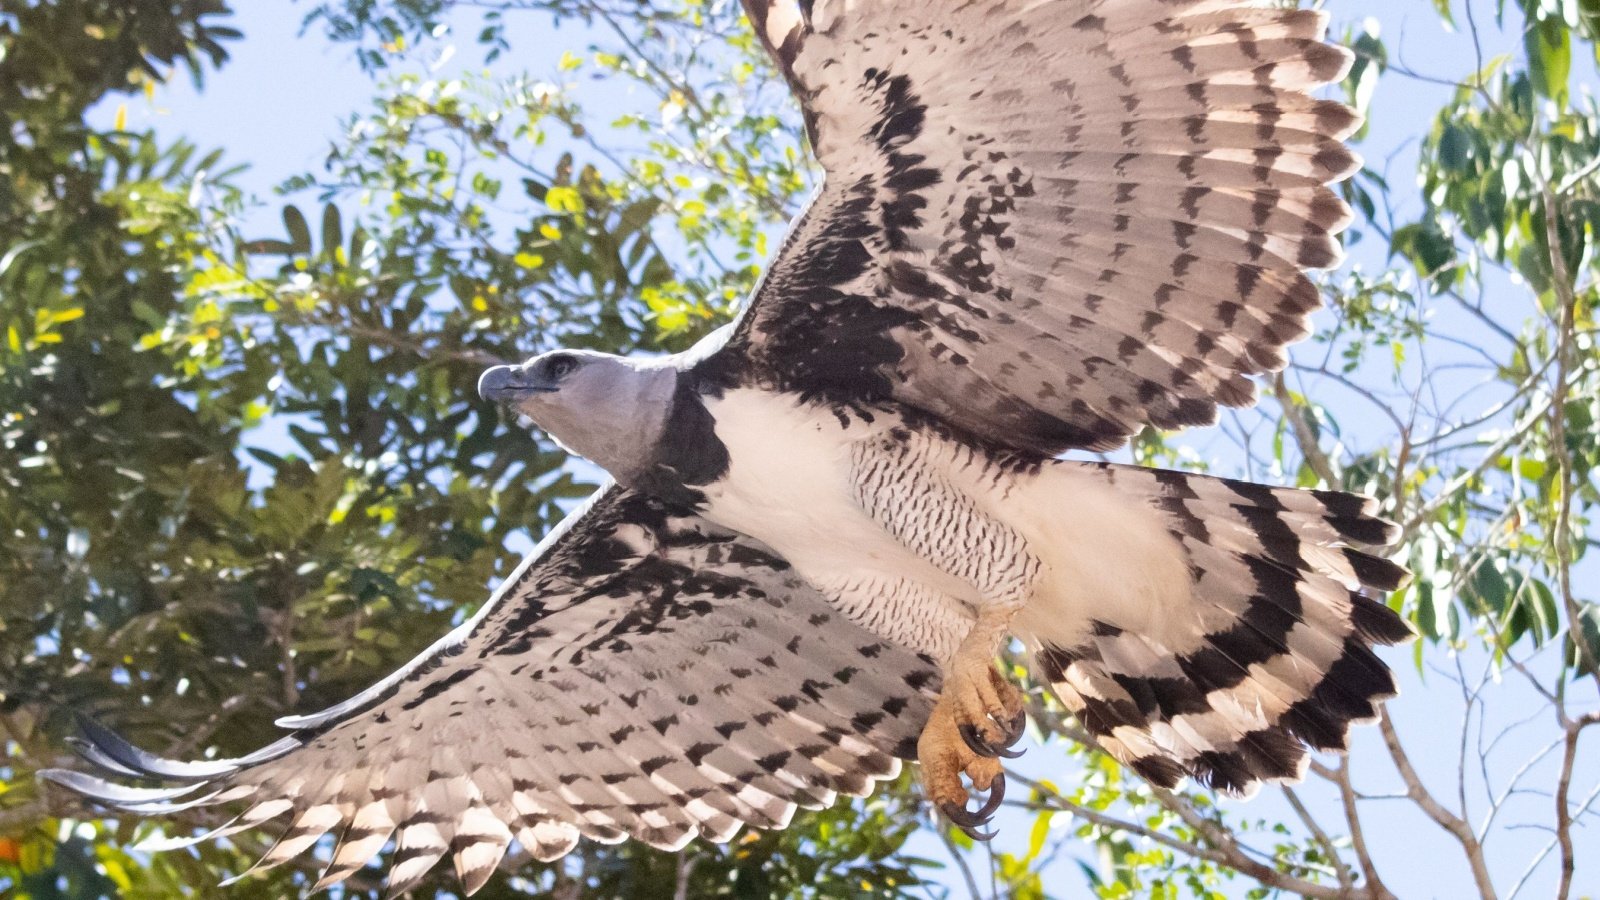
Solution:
(1278, 655)
(1049, 222)
(644, 674)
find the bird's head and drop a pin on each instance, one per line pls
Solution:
(609, 409)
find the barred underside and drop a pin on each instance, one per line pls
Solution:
(1285, 613)
(644, 675)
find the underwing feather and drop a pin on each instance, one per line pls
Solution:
(1281, 656)
(571, 705)
(1171, 146)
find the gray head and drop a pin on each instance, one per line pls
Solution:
(611, 410)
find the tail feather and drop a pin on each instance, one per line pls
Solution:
(1285, 614)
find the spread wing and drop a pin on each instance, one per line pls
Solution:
(642, 674)
(1051, 221)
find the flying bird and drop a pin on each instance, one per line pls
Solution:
(1044, 225)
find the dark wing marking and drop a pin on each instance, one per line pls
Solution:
(1281, 658)
(642, 674)
(1050, 223)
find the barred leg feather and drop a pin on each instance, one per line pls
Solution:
(1285, 610)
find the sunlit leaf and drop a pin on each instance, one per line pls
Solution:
(1548, 44)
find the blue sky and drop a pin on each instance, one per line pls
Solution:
(279, 105)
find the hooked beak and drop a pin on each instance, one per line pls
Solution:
(508, 384)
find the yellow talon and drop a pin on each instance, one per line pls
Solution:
(974, 721)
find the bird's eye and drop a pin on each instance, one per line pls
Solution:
(558, 366)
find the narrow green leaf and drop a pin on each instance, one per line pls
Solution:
(332, 230)
(269, 247)
(299, 232)
(1443, 7)
(1038, 835)
(14, 252)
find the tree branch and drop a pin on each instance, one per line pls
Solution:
(1340, 776)
(1446, 819)
(1223, 849)
(1303, 435)
(960, 860)
(1340, 870)
(1564, 816)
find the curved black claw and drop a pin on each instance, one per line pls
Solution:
(969, 736)
(970, 821)
(976, 743)
(977, 835)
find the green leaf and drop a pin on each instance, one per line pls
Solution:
(66, 315)
(1038, 835)
(1455, 148)
(269, 247)
(1536, 611)
(636, 216)
(360, 245)
(1583, 640)
(1443, 8)
(1489, 588)
(564, 199)
(332, 231)
(1427, 246)
(14, 252)
(1548, 43)
(299, 232)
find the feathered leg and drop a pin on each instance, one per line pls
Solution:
(1271, 655)
(909, 488)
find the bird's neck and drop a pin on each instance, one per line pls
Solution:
(686, 455)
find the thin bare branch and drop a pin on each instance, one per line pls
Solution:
(1340, 870)
(1340, 776)
(1220, 846)
(1446, 819)
(1304, 436)
(1564, 817)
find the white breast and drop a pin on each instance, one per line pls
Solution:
(1103, 555)
(789, 486)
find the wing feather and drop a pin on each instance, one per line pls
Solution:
(1119, 238)
(644, 674)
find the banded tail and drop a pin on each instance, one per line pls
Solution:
(1284, 602)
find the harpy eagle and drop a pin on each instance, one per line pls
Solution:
(1045, 224)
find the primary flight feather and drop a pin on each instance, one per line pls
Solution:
(1045, 225)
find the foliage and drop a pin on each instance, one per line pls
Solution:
(243, 471)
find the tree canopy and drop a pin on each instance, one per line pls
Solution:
(244, 471)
